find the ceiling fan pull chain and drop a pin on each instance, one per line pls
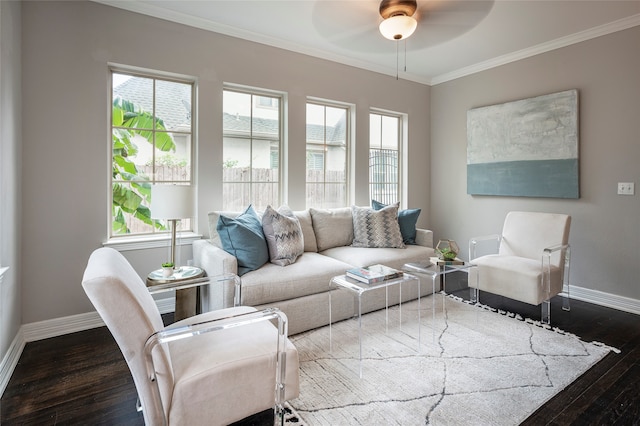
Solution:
(397, 61)
(405, 55)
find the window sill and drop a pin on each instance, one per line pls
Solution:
(147, 242)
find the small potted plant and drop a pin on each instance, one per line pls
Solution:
(167, 269)
(447, 249)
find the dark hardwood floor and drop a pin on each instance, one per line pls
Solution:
(82, 378)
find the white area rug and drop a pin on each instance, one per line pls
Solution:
(475, 367)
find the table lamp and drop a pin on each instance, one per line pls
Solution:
(172, 202)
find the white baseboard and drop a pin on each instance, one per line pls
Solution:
(10, 360)
(56, 327)
(609, 300)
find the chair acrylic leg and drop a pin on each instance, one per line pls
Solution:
(278, 415)
(546, 312)
(565, 302)
(473, 294)
(474, 291)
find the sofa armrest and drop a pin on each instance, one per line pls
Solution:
(424, 237)
(215, 261)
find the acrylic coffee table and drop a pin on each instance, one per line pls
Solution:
(358, 289)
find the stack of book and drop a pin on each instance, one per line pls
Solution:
(373, 274)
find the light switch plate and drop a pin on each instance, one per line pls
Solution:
(626, 188)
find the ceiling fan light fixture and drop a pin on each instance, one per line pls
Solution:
(398, 27)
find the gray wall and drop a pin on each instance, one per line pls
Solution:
(10, 158)
(605, 230)
(63, 174)
(66, 48)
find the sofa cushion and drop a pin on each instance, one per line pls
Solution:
(309, 275)
(304, 217)
(376, 228)
(283, 234)
(333, 227)
(407, 219)
(243, 238)
(391, 257)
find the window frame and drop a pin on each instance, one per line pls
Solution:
(400, 157)
(156, 238)
(260, 93)
(349, 140)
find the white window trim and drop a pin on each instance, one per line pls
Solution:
(153, 240)
(139, 242)
(349, 143)
(403, 158)
(282, 116)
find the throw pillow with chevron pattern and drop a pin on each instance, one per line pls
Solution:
(283, 234)
(376, 228)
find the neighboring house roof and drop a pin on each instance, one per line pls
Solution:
(173, 107)
(173, 101)
(315, 132)
(242, 124)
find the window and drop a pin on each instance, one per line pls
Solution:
(384, 149)
(327, 143)
(252, 141)
(151, 136)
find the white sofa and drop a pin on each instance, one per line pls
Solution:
(300, 290)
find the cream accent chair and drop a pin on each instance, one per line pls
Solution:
(532, 260)
(210, 369)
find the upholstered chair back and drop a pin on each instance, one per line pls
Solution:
(125, 305)
(527, 234)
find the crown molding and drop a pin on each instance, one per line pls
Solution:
(203, 24)
(558, 43)
(181, 18)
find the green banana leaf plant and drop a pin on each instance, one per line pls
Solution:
(133, 197)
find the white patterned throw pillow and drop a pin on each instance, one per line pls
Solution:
(376, 228)
(283, 234)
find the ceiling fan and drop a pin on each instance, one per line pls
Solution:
(398, 21)
(355, 25)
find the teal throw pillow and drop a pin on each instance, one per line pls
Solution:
(407, 219)
(243, 238)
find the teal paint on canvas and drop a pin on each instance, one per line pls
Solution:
(537, 178)
(525, 148)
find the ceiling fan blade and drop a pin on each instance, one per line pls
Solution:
(443, 20)
(353, 24)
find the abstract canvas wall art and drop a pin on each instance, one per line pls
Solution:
(526, 148)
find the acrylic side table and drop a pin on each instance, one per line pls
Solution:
(358, 289)
(441, 264)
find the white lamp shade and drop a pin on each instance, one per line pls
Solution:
(171, 201)
(398, 27)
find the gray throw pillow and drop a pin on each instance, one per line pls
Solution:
(407, 220)
(376, 228)
(283, 234)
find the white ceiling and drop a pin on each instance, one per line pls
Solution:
(454, 38)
